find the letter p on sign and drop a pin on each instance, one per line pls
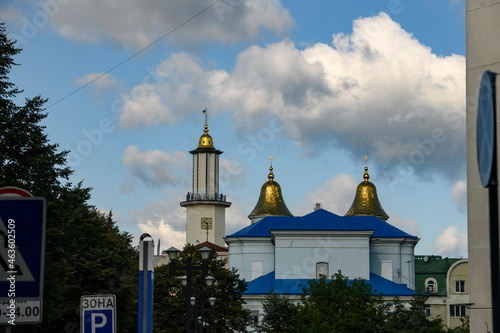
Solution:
(98, 314)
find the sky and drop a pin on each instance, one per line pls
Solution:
(317, 84)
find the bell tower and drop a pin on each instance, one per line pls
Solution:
(205, 205)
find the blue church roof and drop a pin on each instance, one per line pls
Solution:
(321, 220)
(264, 284)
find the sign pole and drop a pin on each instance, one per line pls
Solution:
(145, 284)
(494, 237)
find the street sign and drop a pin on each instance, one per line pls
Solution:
(486, 127)
(98, 314)
(24, 312)
(22, 247)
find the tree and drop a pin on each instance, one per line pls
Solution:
(412, 320)
(169, 304)
(340, 305)
(280, 315)
(85, 251)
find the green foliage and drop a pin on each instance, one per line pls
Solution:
(280, 315)
(170, 306)
(85, 252)
(412, 320)
(342, 306)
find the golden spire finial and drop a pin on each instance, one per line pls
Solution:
(206, 140)
(366, 176)
(206, 120)
(271, 175)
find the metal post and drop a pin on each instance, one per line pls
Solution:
(494, 237)
(494, 246)
(146, 284)
(188, 295)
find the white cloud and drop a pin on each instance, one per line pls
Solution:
(459, 195)
(236, 216)
(161, 230)
(232, 174)
(451, 243)
(163, 219)
(336, 196)
(377, 90)
(101, 83)
(154, 168)
(100, 80)
(410, 226)
(137, 24)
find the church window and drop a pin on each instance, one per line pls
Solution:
(254, 316)
(256, 268)
(386, 269)
(321, 269)
(459, 286)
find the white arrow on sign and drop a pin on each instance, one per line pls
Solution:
(21, 269)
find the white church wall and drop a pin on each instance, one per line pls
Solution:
(399, 253)
(298, 252)
(244, 255)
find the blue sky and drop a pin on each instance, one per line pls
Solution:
(318, 85)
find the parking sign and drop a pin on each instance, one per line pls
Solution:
(98, 314)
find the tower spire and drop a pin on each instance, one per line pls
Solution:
(271, 175)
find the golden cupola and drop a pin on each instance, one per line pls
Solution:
(366, 201)
(206, 140)
(270, 200)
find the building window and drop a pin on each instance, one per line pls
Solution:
(321, 269)
(427, 310)
(256, 268)
(254, 316)
(386, 269)
(459, 286)
(431, 286)
(457, 310)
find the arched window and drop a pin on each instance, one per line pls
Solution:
(321, 269)
(431, 286)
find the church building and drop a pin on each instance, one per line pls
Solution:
(282, 252)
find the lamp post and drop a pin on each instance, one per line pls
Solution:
(193, 302)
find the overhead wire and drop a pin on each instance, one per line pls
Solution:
(134, 55)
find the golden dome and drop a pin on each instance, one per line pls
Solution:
(366, 200)
(206, 140)
(270, 200)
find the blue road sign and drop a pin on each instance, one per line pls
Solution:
(22, 247)
(98, 314)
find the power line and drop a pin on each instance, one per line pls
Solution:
(134, 55)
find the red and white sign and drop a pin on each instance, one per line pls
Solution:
(11, 191)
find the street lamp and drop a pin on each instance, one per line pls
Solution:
(192, 302)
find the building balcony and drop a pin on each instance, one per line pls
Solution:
(205, 197)
(217, 199)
